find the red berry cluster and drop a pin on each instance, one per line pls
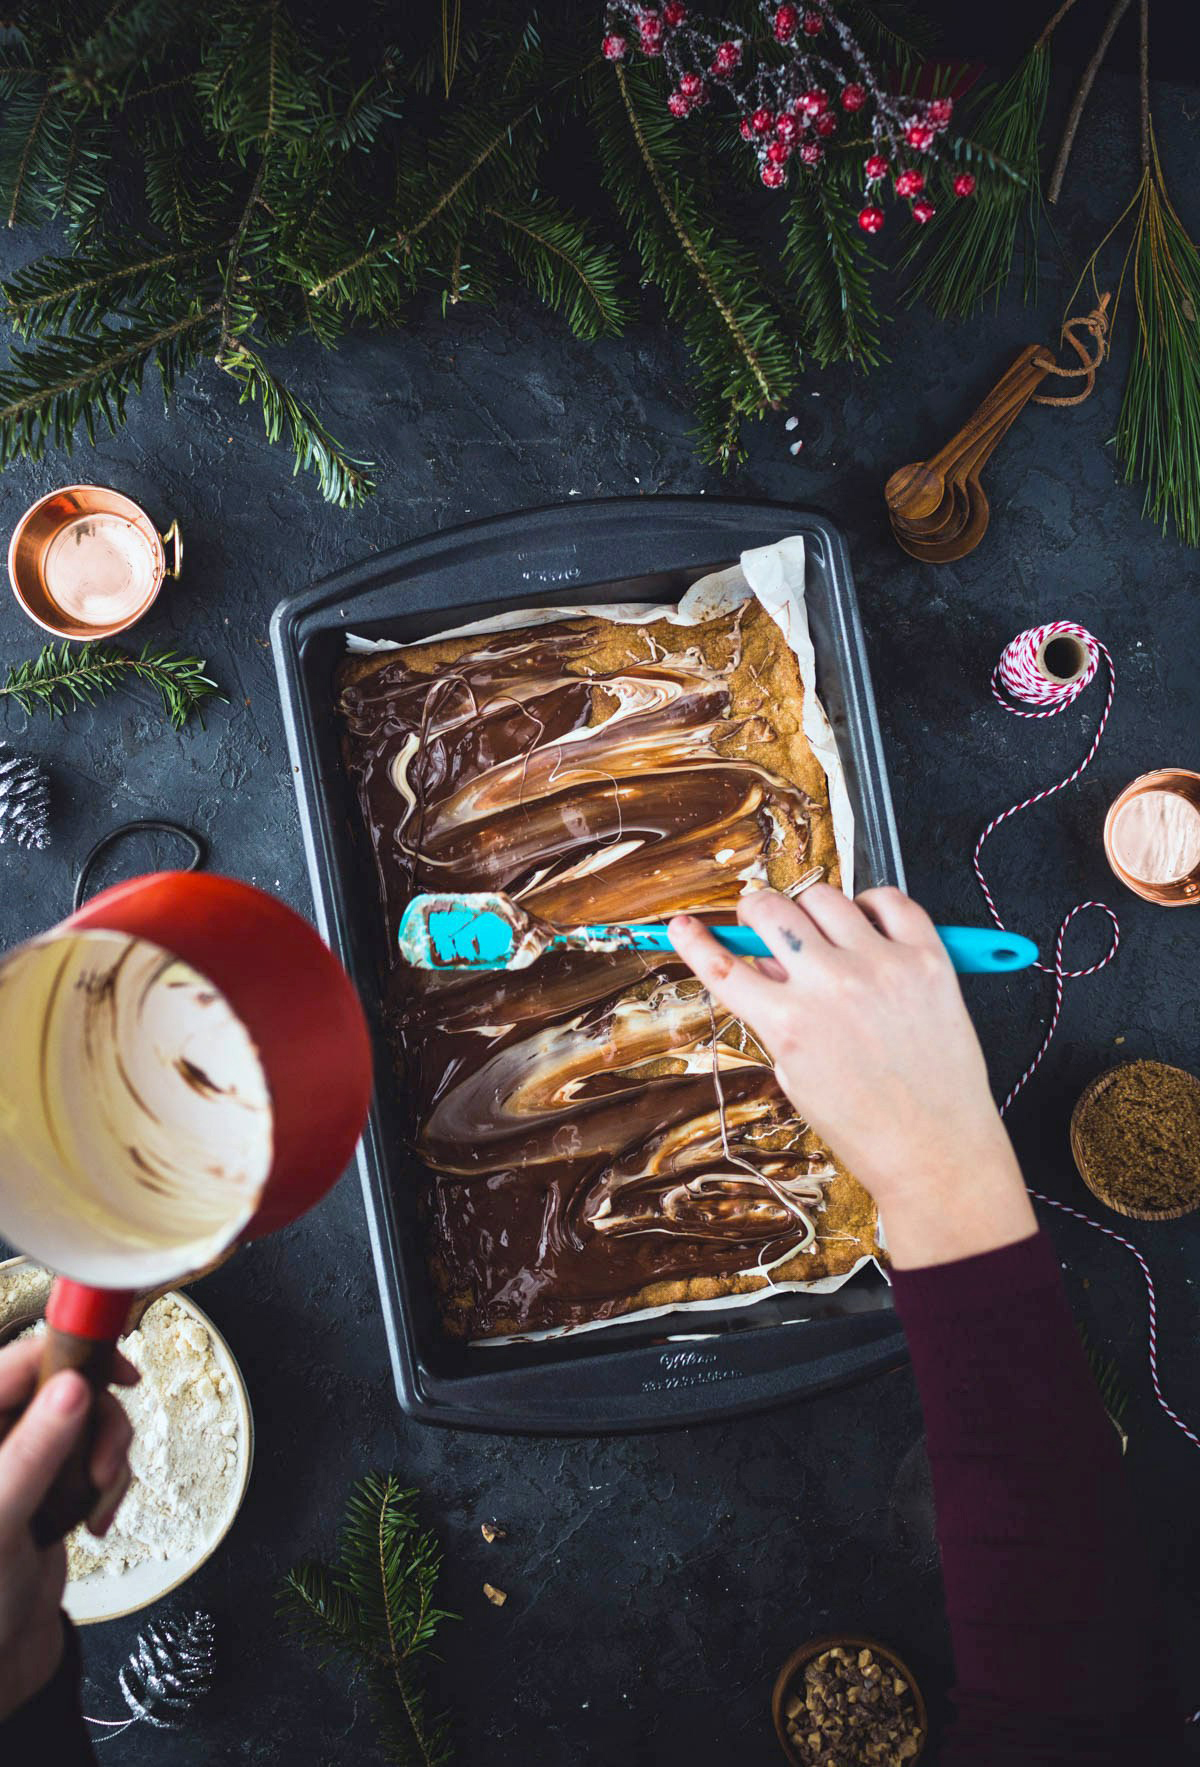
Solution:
(791, 108)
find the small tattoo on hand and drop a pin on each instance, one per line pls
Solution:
(793, 940)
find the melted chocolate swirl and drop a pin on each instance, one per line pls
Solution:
(593, 1130)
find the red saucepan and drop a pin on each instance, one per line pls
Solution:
(185, 1065)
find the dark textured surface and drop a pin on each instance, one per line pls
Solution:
(654, 1584)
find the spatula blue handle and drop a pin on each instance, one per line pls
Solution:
(973, 950)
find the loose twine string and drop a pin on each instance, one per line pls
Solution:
(1096, 326)
(1019, 673)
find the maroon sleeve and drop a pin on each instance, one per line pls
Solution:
(1053, 1616)
(49, 1728)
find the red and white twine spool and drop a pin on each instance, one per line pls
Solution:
(1047, 668)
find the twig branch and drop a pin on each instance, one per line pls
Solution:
(1144, 82)
(1082, 95)
(1055, 21)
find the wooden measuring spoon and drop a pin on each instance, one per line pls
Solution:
(926, 488)
(964, 511)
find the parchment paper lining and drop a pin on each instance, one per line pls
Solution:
(775, 576)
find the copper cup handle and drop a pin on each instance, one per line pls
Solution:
(174, 539)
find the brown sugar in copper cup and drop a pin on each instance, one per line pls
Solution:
(1129, 837)
(86, 562)
(791, 1675)
(1091, 1100)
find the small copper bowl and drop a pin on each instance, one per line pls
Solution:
(799, 1661)
(86, 562)
(1184, 891)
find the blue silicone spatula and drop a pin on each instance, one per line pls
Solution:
(490, 931)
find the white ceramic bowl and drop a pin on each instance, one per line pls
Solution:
(92, 1599)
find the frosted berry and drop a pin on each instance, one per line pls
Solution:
(727, 57)
(876, 166)
(813, 24)
(812, 153)
(679, 104)
(779, 153)
(787, 23)
(773, 176)
(762, 122)
(674, 13)
(918, 135)
(923, 211)
(939, 111)
(854, 96)
(744, 129)
(870, 219)
(650, 32)
(826, 123)
(691, 85)
(787, 128)
(615, 47)
(812, 103)
(910, 183)
(964, 184)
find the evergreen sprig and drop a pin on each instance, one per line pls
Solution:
(745, 361)
(375, 1611)
(965, 254)
(1158, 430)
(64, 676)
(828, 261)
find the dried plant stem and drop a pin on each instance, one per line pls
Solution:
(1082, 94)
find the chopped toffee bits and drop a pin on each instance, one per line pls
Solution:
(497, 1597)
(493, 1531)
(847, 1709)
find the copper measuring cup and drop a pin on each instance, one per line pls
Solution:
(87, 562)
(1175, 892)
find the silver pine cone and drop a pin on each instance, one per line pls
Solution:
(24, 800)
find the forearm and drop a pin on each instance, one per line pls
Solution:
(1052, 1616)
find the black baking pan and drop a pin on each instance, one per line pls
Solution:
(686, 1367)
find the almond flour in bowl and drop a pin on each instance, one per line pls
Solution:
(191, 1457)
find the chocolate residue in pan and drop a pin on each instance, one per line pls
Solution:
(584, 1159)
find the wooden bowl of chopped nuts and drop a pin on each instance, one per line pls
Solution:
(849, 1702)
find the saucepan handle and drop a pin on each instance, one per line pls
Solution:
(82, 1327)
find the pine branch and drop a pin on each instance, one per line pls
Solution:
(320, 1612)
(72, 294)
(744, 361)
(479, 159)
(826, 256)
(966, 253)
(28, 144)
(261, 80)
(62, 677)
(343, 479)
(376, 1611)
(1158, 430)
(129, 33)
(557, 257)
(76, 186)
(1109, 1385)
(65, 381)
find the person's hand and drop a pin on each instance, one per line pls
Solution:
(861, 1012)
(36, 1436)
